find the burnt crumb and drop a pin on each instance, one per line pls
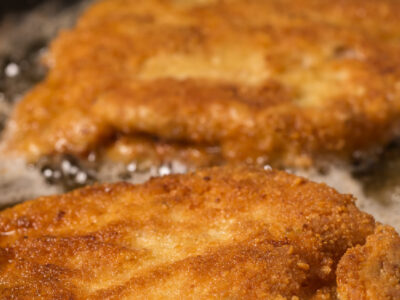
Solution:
(206, 178)
(60, 215)
(341, 51)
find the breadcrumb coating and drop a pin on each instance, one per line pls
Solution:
(278, 82)
(372, 271)
(234, 232)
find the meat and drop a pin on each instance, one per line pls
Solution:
(278, 82)
(226, 232)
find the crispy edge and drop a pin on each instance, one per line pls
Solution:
(371, 271)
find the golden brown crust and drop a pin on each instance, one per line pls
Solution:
(219, 233)
(372, 271)
(281, 81)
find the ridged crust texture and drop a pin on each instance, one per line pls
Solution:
(371, 271)
(234, 233)
(279, 82)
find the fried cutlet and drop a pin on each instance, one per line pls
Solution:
(227, 232)
(371, 271)
(278, 82)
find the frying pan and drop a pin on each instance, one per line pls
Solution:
(13, 6)
(27, 26)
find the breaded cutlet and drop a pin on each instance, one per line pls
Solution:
(371, 271)
(220, 233)
(278, 81)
